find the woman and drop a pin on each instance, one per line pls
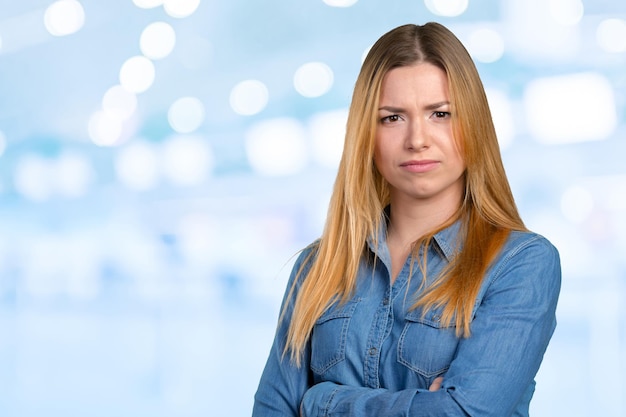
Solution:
(425, 295)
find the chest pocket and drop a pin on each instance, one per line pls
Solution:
(328, 339)
(425, 346)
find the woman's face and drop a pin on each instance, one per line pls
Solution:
(415, 149)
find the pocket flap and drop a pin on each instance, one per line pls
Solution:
(338, 310)
(430, 318)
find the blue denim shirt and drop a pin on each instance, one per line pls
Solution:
(375, 356)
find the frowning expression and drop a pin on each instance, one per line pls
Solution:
(415, 147)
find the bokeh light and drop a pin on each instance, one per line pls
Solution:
(137, 166)
(186, 114)
(608, 192)
(340, 3)
(180, 8)
(570, 108)
(187, 160)
(137, 74)
(313, 79)
(3, 142)
(566, 12)
(611, 35)
(548, 41)
(33, 178)
(105, 129)
(327, 132)
(447, 8)
(485, 45)
(157, 40)
(119, 102)
(502, 114)
(249, 97)
(64, 17)
(277, 147)
(73, 174)
(147, 4)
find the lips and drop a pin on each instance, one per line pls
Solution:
(420, 166)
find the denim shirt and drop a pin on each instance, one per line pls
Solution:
(375, 356)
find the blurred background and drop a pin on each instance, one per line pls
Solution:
(162, 161)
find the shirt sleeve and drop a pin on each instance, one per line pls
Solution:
(282, 384)
(333, 400)
(494, 368)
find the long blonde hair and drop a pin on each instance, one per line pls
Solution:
(360, 193)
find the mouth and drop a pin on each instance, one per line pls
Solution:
(420, 166)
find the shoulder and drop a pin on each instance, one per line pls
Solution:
(527, 256)
(527, 243)
(307, 254)
(303, 262)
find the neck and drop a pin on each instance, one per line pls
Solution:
(409, 222)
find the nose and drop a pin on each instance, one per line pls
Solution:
(417, 137)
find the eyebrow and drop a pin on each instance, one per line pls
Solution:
(433, 106)
(437, 105)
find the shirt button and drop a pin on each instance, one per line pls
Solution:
(386, 301)
(373, 351)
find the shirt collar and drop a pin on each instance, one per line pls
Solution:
(447, 240)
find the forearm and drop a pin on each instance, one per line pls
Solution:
(331, 400)
(280, 389)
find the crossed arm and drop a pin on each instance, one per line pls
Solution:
(492, 372)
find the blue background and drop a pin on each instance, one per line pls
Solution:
(160, 299)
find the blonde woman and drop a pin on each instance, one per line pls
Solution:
(425, 295)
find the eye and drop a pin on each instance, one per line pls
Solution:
(390, 119)
(441, 114)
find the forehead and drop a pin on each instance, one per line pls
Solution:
(419, 82)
